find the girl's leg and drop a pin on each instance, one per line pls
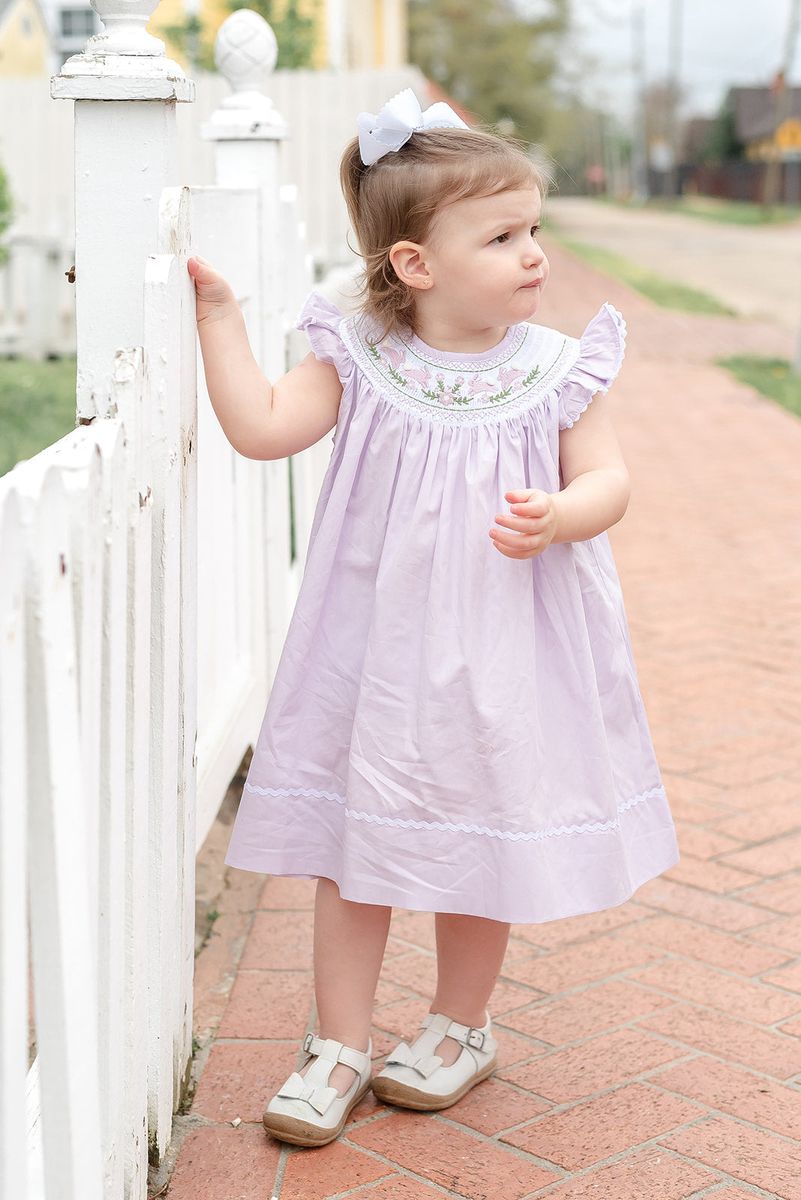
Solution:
(349, 943)
(470, 953)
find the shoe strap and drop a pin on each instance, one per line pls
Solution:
(467, 1035)
(333, 1051)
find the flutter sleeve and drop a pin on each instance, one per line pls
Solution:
(320, 320)
(603, 345)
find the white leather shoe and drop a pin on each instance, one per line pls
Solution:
(305, 1110)
(415, 1077)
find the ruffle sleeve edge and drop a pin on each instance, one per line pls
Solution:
(602, 349)
(320, 319)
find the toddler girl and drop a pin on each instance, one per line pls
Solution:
(455, 725)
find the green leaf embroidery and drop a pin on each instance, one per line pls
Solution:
(455, 390)
(435, 395)
(371, 346)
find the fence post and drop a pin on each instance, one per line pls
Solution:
(125, 154)
(128, 296)
(248, 132)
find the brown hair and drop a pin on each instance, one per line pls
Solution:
(398, 197)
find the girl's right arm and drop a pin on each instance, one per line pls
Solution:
(260, 420)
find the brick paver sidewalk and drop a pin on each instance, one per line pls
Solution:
(652, 1051)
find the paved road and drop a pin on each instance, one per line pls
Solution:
(755, 271)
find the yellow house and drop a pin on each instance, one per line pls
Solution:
(756, 111)
(24, 39)
(786, 139)
(349, 33)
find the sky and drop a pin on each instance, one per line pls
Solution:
(724, 43)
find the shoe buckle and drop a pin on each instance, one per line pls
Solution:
(478, 1034)
(307, 1041)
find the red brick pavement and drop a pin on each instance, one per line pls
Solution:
(652, 1050)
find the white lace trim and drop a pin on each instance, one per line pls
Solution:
(451, 827)
(559, 352)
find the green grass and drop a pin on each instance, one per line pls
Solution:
(662, 291)
(709, 208)
(37, 406)
(773, 377)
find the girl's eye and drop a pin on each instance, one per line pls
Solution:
(534, 229)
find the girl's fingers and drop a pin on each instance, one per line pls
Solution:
(508, 539)
(509, 553)
(523, 524)
(514, 541)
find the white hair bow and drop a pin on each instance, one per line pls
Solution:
(395, 123)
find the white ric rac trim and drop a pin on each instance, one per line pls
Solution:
(451, 827)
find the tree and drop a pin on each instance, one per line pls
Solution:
(723, 142)
(491, 58)
(294, 31)
(579, 135)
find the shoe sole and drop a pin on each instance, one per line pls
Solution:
(391, 1091)
(304, 1133)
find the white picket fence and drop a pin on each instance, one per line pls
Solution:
(37, 311)
(145, 592)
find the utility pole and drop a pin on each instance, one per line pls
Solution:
(782, 106)
(639, 146)
(675, 44)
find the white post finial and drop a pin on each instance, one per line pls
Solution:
(248, 132)
(124, 31)
(245, 51)
(123, 50)
(125, 91)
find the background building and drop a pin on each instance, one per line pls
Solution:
(25, 38)
(36, 36)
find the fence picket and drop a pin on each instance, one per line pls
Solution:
(62, 923)
(13, 851)
(129, 397)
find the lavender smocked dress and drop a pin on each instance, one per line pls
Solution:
(450, 729)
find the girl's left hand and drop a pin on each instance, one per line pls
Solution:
(533, 517)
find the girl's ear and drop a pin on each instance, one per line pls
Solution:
(409, 265)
